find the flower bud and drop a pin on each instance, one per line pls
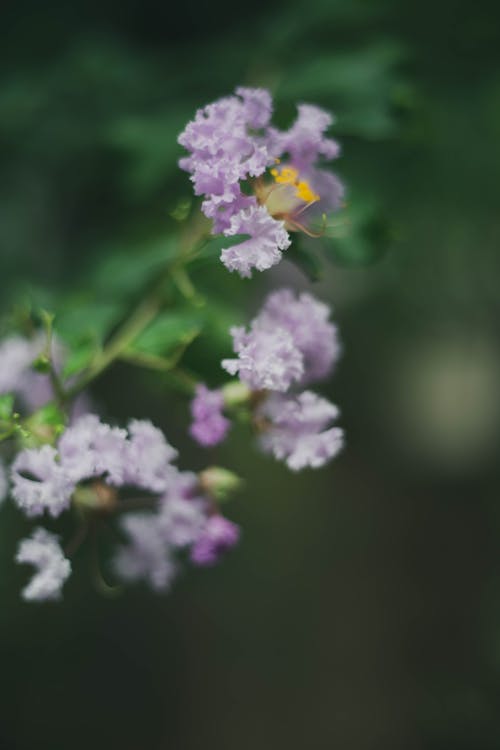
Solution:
(97, 496)
(236, 394)
(219, 483)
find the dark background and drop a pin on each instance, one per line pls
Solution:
(362, 608)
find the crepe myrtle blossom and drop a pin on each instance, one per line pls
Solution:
(307, 321)
(256, 180)
(295, 429)
(183, 519)
(43, 551)
(289, 344)
(44, 479)
(291, 341)
(218, 535)
(96, 467)
(146, 557)
(209, 427)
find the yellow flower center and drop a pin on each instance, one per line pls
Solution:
(290, 176)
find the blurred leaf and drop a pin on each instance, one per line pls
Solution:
(360, 86)
(122, 273)
(181, 210)
(305, 257)
(79, 359)
(151, 145)
(360, 236)
(82, 320)
(169, 331)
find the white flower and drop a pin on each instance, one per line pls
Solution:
(44, 552)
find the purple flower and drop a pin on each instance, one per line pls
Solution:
(43, 551)
(257, 105)
(182, 512)
(146, 556)
(290, 341)
(4, 482)
(218, 536)
(267, 239)
(209, 426)
(295, 429)
(307, 321)
(221, 137)
(48, 478)
(267, 358)
(256, 180)
(305, 143)
(148, 457)
(45, 478)
(89, 448)
(40, 483)
(16, 356)
(180, 521)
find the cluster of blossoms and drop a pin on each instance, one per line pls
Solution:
(289, 344)
(257, 180)
(262, 182)
(93, 466)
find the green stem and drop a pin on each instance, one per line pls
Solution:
(185, 286)
(140, 318)
(59, 391)
(58, 388)
(143, 315)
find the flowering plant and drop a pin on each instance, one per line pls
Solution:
(261, 187)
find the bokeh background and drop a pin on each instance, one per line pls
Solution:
(362, 609)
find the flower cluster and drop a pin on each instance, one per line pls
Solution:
(289, 344)
(259, 184)
(91, 464)
(257, 180)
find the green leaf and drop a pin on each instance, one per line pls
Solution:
(44, 425)
(124, 272)
(49, 414)
(169, 331)
(6, 407)
(85, 320)
(360, 236)
(79, 359)
(150, 143)
(361, 85)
